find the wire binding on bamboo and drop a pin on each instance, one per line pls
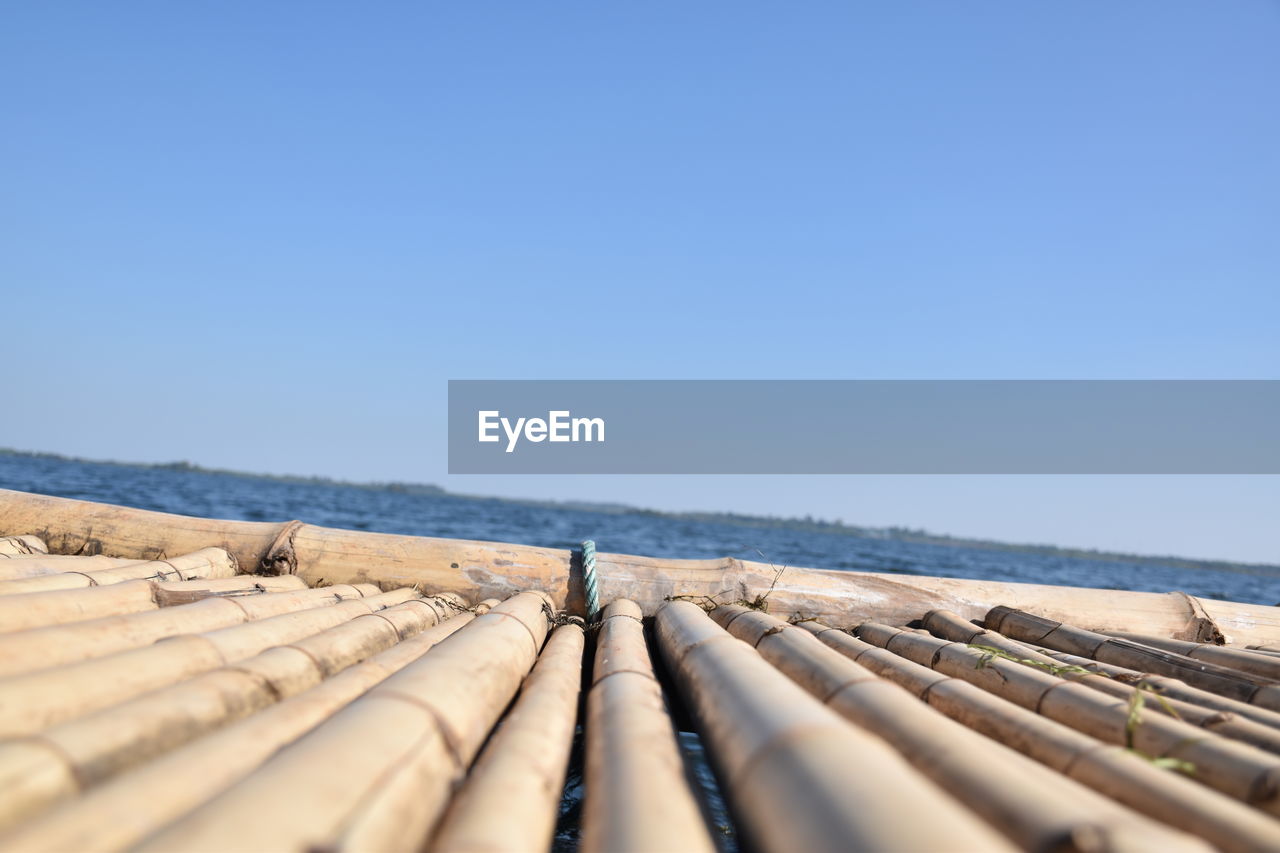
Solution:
(1235, 768)
(1245, 661)
(378, 774)
(22, 546)
(123, 811)
(637, 793)
(63, 760)
(1246, 723)
(41, 648)
(511, 797)
(1111, 770)
(798, 775)
(951, 627)
(205, 563)
(174, 593)
(38, 565)
(1078, 641)
(36, 700)
(24, 611)
(1035, 807)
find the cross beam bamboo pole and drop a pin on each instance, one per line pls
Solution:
(36, 700)
(1035, 807)
(38, 565)
(378, 774)
(126, 809)
(483, 569)
(800, 777)
(21, 546)
(1242, 660)
(1235, 768)
(1197, 707)
(204, 563)
(1079, 641)
(61, 761)
(511, 797)
(56, 645)
(1115, 772)
(637, 794)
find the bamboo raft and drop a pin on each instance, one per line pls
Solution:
(171, 683)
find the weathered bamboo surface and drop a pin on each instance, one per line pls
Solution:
(1111, 770)
(1028, 627)
(348, 706)
(31, 566)
(1234, 768)
(36, 700)
(127, 809)
(511, 797)
(21, 546)
(19, 612)
(202, 563)
(1245, 660)
(1037, 808)
(638, 797)
(802, 777)
(1243, 722)
(39, 770)
(378, 774)
(62, 644)
(478, 570)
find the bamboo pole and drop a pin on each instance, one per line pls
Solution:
(1242, 660)
(21, 546)
(38, 565)
(1078, 641)
(1035, 807)
(1237, 769)
(637, 794)
(511, 797)
(798, 775)
(1246, 723)
(65, 759)
(36, 700)
(56, 645)
(378, 774)
(1113, 771)
(64, 606)
(480, 570)
(126, 809)
(203, 563)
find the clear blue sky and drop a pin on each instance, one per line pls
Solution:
(263, 236)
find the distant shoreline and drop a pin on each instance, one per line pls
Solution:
(807, 524)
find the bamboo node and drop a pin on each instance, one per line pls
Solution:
(280, 558)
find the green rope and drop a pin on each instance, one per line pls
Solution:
(589, 579)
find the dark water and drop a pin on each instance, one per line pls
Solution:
(255, 499)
